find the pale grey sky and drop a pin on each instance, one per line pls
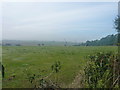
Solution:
(58, 21)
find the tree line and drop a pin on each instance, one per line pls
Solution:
(105, 41)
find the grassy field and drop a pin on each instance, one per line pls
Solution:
(21, 60)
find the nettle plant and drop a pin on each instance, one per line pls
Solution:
(99, 72)
(56, 67)
(39, 81)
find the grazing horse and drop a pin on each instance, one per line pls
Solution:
(2, 69)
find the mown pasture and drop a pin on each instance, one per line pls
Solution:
(20, 60)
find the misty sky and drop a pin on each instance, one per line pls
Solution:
(52, 21)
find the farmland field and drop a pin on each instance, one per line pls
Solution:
(20, 60)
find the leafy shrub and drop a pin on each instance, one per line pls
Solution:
(99, 70)
(38, 81)
(56, 67)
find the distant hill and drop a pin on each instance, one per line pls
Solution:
(35, 43)
(105, 41)
(109, 40)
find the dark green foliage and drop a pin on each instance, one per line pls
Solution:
(117, 24)
(99, 71)
(106, 41)
(37, 81)
(31, 78)
(56, 67)
(117, 27)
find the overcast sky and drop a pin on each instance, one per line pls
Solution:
(52, 21)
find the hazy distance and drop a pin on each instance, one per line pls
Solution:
(50, 21)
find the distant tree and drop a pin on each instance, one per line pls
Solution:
(7, 44)
(65, 42)
(117, 24)
(39, 45)
(43, 44)
(105, 41)
(117, 27)
(88, 43)
(65, 45)
(18, 44)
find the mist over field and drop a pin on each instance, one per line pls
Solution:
(76, 22)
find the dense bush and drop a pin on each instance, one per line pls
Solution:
(100, 71)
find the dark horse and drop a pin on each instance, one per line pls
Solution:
(2, 69)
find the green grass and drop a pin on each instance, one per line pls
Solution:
(38, 60)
